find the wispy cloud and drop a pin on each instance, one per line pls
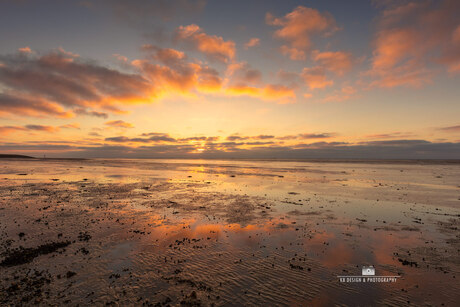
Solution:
(450, 128)
(119, 124)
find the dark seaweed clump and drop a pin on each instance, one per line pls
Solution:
(23, 255)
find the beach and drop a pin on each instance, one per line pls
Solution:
(211, 232)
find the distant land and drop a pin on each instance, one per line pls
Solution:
(3, 156)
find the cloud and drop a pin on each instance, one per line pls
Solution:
(271, 92)
(338, 62)
(119, 124)
(212, 46)
(346, 93)
(450, 128)
(42, 128)
(62, 84)
(293, 53)
(199, 138)
(147, 138)
(243, 80)
(391, 135)
(391, 149)
(298, 27)
(171, 72)
(71, 126)
(241, 73)
(236, 138)
(411, 38)
(263, 137)
(14, 103)
(91, 113)
(315, 78)
(25, 50)
(316, 135)
(28, 128)
(451, 53)
(37, 85)
(4, 130)
(252, 43)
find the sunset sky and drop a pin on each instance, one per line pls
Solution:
(230, 79)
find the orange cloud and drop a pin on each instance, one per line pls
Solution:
(315, 78)
(338, 62)
(392, 46)
(175, 74)
(14, 103)
(25, 50)
(252, 43)
(451, 54)
(293, 53)
(243, 73)
(411, 37)
(42, 128)
(298, 27)
(450, 129)
(214, 47)
(71, 126)
(412, 74)
(9, 129)
(166, 56)
(270, 92)
(119, 124)
(51, 83)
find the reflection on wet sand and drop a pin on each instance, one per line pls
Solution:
(227, 233)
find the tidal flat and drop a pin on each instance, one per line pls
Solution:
(226, 233)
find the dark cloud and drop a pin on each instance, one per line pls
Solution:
(91, 113)
(200, 138)
(306, 136)
(389, 135)
(236, 138)
(48, 84)
(259, 143)
(241, 138)
(263, 137)
(119, 124)
(316, 135)
(398, 143)
(450, 128)
(152, 138)
(18, 104)
(42, 128)
(397, 149)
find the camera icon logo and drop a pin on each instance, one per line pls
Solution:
(368, 270)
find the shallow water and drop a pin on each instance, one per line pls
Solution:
(229, 232)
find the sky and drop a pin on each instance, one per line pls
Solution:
(230, 79)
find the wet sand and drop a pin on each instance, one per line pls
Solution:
(192, 232)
